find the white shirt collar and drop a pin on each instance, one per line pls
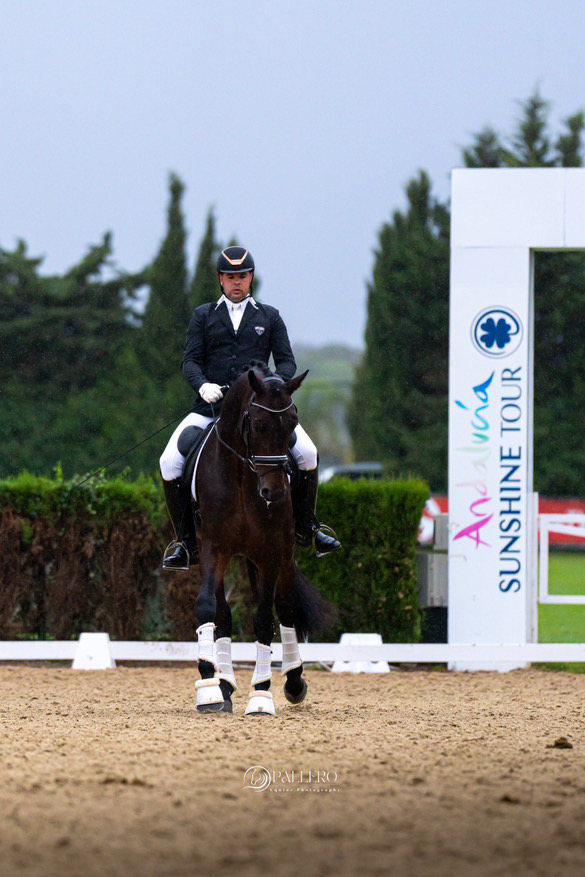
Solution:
(228, 303)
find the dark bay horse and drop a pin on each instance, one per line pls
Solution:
(244, 496)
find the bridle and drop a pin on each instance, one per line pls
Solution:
(267, 462)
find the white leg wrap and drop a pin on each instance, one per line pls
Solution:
(291, 658)
(262, 670)
(223, 650)
(206, 644)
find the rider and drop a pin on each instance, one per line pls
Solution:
(222, 338)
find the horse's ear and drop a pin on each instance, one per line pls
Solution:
(254, 382)
(295, 383)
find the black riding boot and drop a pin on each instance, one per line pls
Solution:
(308, 528)
(181, 553)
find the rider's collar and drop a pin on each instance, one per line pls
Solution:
(244, 302)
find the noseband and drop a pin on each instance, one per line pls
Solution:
(267, 462)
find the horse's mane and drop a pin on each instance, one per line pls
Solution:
(260, 368)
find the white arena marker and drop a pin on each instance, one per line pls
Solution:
(361, 639)
(93, 652)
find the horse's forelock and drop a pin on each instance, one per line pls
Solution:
(270, 385)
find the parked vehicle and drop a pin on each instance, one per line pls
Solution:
(353, 471)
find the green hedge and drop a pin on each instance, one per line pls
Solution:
(373, 579)
(88, 558)
(78, 558)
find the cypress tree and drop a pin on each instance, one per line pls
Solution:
(167, 313)
(204, 285)
(400, 396)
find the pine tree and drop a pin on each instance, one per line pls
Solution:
(398, 412)
(61, 333)
(60, 342)
(205, 286)
(531, 143)
(559, 344)
(486, 151)
(569, 145)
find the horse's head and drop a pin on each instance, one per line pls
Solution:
(268, 424)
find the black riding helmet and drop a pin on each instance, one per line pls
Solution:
(234, 260)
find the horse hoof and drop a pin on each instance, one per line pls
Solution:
(209, 695)
(227, 706)
(296, 698)
(260, 703)
(212, 708)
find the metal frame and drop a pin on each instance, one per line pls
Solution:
(568, 525)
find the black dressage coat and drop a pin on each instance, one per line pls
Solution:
(215, 353)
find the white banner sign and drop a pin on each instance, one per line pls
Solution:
(499, 218)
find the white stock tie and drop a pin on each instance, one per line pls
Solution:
(236, 313)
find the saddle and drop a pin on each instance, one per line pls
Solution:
(190, 443)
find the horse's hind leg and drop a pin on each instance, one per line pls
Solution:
(260, 702)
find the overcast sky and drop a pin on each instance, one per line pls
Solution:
(300, 122)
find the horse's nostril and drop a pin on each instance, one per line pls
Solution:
(265, 493)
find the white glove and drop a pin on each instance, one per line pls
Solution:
(210, 393)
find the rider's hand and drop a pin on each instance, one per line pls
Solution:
(210, 393)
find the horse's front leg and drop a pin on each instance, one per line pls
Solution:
(260, 702)
(210, 697)
(295, 687)
(223, 647)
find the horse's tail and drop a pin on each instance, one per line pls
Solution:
(313, 614)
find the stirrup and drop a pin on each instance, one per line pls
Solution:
(174, 545)
(326, 530)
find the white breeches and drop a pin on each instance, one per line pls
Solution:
(304, 451)
(172, 462)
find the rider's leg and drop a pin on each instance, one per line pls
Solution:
(308, 528)
(183, 550)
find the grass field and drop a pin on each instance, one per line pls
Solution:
(564, 624)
